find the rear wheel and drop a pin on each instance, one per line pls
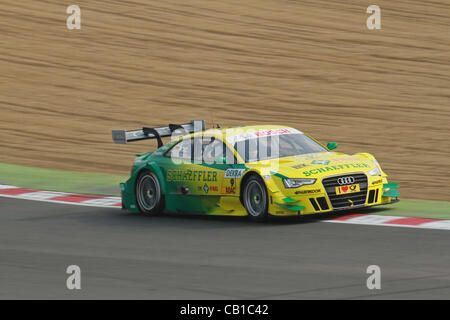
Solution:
(255, 198)
(148, 194)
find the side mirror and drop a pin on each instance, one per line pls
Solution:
(332, 145)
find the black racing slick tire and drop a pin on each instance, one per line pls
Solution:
(255, 198)
(149, 197)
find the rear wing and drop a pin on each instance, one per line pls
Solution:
(122, 136)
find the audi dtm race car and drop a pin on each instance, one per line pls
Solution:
(249, 170)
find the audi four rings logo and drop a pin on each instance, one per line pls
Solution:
(346, 180)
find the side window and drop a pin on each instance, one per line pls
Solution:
(211, 151)
(248, 149)
(206, 149)
(217, 149)
(199, 146)
(182, 150)
(257, 149)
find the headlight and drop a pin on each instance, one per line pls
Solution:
(295, 183)
(375, 172)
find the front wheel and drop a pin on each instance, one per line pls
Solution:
(255, 198)
(148, 194)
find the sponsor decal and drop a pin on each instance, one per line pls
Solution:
(324, 162)
(307, 191)
(206, 188)
(274, 132)
(234, 173)
(260, 133)
(345, 159)
(335, 168)
(191, 175)
(347, 189)
(267, 177)
(229, 190)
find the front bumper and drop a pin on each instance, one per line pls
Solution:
(321, 198)
(308, 208)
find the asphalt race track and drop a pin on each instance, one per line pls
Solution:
(122, 255)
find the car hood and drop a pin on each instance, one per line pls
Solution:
(315, 165)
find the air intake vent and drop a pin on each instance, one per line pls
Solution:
(371, 196)
(323, 203)
(314, 203)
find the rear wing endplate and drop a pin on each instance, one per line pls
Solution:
(122, 136)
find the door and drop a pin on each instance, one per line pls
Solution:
(195, 171)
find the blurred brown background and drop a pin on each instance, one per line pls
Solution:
(309, 64)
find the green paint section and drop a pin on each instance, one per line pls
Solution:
(279, 175)
(414, 208)
(60, 180)
(290, 207)
(289, 199)
(391, 193)
(390, 185)
(332, 145)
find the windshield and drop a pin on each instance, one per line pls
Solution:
(278, 146)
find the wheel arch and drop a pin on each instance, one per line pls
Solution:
(244, 179)
(153, 167)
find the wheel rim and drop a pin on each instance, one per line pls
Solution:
(255, 198)
(148, 192)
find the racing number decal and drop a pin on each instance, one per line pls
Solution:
(231, 181)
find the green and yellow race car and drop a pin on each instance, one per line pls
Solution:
(256, 170)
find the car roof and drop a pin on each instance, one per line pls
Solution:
(230, 131)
